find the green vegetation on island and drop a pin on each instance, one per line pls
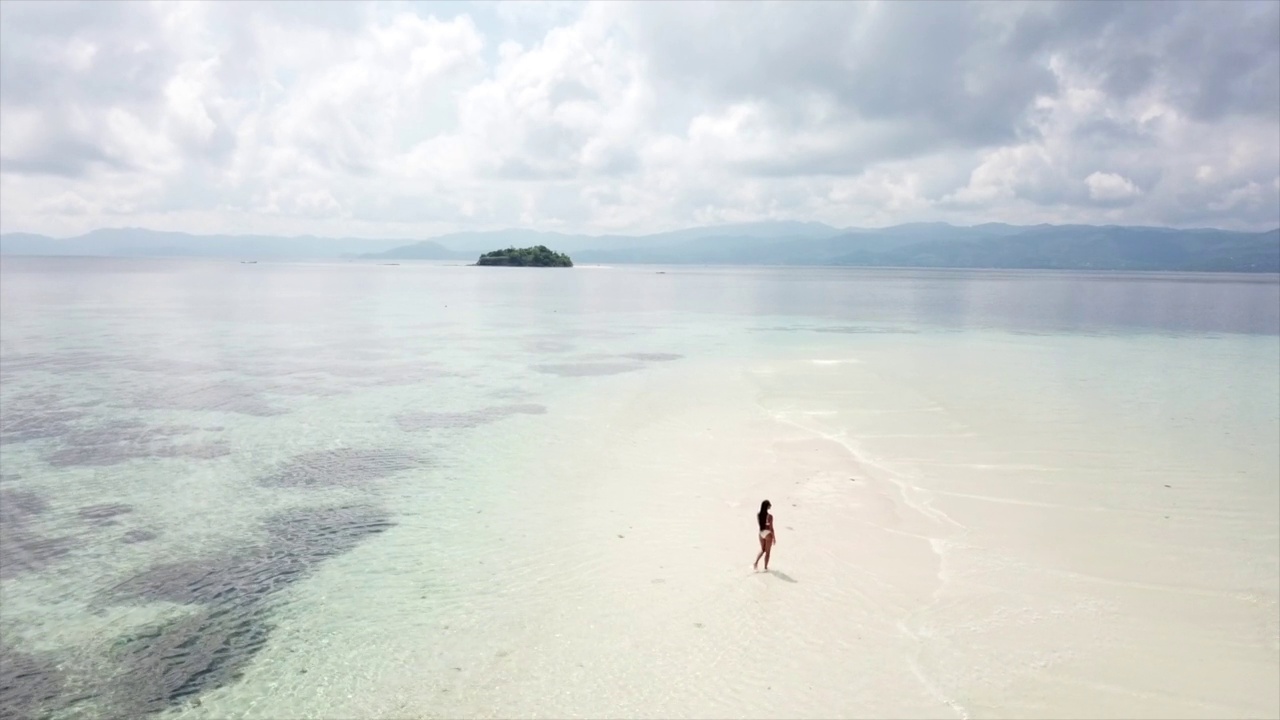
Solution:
(536, 256)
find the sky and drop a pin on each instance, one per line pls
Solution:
(404, 120)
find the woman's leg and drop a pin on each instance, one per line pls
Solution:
(768, 546)
(763, 549)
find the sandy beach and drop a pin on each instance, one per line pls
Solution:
(955, 580)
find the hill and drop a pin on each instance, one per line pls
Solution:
(932, 245)
(139, 242)
(1057, 247)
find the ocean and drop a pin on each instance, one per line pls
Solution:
(349, 489)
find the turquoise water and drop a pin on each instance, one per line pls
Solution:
(347, 489)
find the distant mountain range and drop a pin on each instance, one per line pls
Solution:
(932, 245)
(138, 242)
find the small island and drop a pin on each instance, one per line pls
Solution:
(536, 256)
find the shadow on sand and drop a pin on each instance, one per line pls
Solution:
(782, 576)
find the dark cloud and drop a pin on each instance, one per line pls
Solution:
(954, 73)
(1211, 59)
(93, 53)
(947, 72)
(61, 151)
(77, 70)
(1112, 134)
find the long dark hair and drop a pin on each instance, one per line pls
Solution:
(763, 516)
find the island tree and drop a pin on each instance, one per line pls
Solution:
(536, 256)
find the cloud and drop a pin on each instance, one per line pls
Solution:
(1111, 188)
(408, 119)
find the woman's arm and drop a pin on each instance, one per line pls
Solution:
(772, 531)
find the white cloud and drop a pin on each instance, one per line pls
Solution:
(402, 119)
(1110, 187)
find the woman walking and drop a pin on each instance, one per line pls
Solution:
(768, 538)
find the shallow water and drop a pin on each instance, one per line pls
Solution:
(346, 489)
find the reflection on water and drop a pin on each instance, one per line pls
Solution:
(223, 430)
(190, 300)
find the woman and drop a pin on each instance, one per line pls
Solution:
(768, 538)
